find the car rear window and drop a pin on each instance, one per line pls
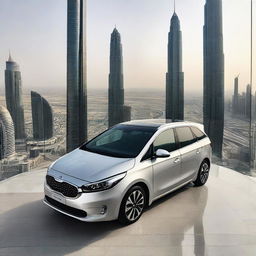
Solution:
(199, 134)
(185, 136)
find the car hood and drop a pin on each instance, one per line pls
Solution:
(91, 167)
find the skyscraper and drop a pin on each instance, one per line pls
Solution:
(13, 95)
(7, 137)
(235, 97)
(117, 111)
(248, 101)
(175, 76)
(214, 75)
(76, 74)
(42, 117)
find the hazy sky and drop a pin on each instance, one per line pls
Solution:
(35, 31)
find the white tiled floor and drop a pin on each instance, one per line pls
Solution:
(217, 219)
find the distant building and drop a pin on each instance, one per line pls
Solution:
(117, 111)
(241, 103)
(42, 117)
(235, 97)
(7, 136)
(175, 76)
(76, 74)
(213, 107)
(13, 95)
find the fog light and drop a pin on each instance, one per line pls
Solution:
(103, 210)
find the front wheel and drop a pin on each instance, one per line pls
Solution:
(203, 174)
(132, 205)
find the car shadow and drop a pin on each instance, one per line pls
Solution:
(35, 229)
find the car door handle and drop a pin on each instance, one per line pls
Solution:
(177, 160)
(198, 151)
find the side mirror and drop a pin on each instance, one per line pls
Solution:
(161, 153)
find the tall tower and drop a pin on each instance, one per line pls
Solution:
(248, 101)
(117, 111)
(42, 117)
(7, 137)
(235, 106)
(214, 75)
(76, 74)
(14, 100)
(175, 76)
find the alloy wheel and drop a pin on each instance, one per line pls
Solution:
(134, 205)
(204, 172)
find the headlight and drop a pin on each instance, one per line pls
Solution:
(103, 184)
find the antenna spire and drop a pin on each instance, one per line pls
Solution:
(10, 56)
(174, 6)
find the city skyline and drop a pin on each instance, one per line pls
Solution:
(76, 77)
(150, 56)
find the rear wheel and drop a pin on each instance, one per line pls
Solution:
(132, 205)
(203, 174)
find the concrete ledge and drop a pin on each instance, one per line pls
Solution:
(27, 182)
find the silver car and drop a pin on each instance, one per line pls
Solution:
(123, 170)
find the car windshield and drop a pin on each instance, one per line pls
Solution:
(125, 141)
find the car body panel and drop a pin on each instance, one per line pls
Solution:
(166, 172)
(189, 161)
(90, 166)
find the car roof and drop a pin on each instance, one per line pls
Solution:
(160, 123)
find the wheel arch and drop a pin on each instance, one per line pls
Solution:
(144, 187)
(207, 160)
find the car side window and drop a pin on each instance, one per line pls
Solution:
(185, 136)
(166, 140)
(199, 134)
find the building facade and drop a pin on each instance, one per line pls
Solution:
(42, 117)
(14, 99)
(117, 111)
(76, 74)
(213, 108)
(175, 76)
(7, 134)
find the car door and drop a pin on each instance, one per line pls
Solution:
(200, 143)
(166, 171)
(189, 150)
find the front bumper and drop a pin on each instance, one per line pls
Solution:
(89, 207)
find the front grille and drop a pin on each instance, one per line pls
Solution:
(65, 208)
(64, 188)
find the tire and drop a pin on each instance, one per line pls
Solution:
(203, 174)
(132, 205)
